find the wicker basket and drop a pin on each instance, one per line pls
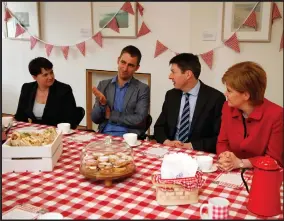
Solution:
(175, 194)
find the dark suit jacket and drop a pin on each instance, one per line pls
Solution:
(60, 105)
(135, 106)
(206, 119)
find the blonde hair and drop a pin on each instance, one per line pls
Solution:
(247, 77)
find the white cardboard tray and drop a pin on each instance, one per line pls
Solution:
(31, 151)
(32, 164)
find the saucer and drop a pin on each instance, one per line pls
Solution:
(138, 142)
(70, 132)
(212, 169)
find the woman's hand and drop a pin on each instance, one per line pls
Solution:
(228, 161)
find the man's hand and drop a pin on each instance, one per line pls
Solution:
(186, 146)
(100, 96)
(107, 114)
(172, 143)
(177, 143)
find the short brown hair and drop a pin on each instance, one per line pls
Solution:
(247, 77)
(133, 51)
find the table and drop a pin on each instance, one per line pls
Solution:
(66, 191)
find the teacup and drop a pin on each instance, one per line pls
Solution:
(217, 207)
(204, 162)
(7, 120)
(130, 138)
(64, 127)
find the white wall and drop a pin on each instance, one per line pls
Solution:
(178, 25)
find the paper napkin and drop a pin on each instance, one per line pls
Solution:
(82, 138)
(156, 152)
(233, 180)
(25, 211)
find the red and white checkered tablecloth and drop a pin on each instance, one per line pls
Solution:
(66, 191)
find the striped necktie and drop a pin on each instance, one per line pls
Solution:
(184, 121)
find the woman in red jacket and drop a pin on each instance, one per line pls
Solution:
(252, 126)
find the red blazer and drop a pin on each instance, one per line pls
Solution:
(264, 132)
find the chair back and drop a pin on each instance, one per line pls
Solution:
(147, 126)
(80, 114)
(148, 122)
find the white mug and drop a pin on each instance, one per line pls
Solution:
(51, 216)
(204, 162)
(217, 207)
(6, 121)
(64, 127)
(130, 138)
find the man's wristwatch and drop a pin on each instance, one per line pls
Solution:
(241, 165)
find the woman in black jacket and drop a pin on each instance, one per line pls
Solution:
(46, 100)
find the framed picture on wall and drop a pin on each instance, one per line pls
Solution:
(235, 14)
(103, 12)
(27, 13)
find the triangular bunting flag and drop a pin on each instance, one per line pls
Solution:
(113, 25)
(127, 7)
(275, 12)
(81, 46)
(160, 48)
(98, 38)
(7, 15)
(19, 30)
(143, 30)
(281, 43)
(33, 42)
(65, 50)
(233, 43)
(48, 49)
(251, 20)
(140, 8)
(208, 58)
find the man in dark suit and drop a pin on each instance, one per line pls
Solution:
(128, 99)
(191, 113)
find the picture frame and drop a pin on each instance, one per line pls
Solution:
(102, 12)
(234, 15)
(28, 14)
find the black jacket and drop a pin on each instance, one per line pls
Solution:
(206, 119)
(60, 105)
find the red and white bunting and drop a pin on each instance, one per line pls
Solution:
(281, 43)
(113, 25)
(33, 42)
(65, 50)
(143, 30)
(81, 46)
(7, 15)
(98, 38)
(275, 12)
(233, 43)
(48, 49)
(208, 58)
(160, 48)
(19, 30)
(140, 8)
(251, 20)
(127, 7)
